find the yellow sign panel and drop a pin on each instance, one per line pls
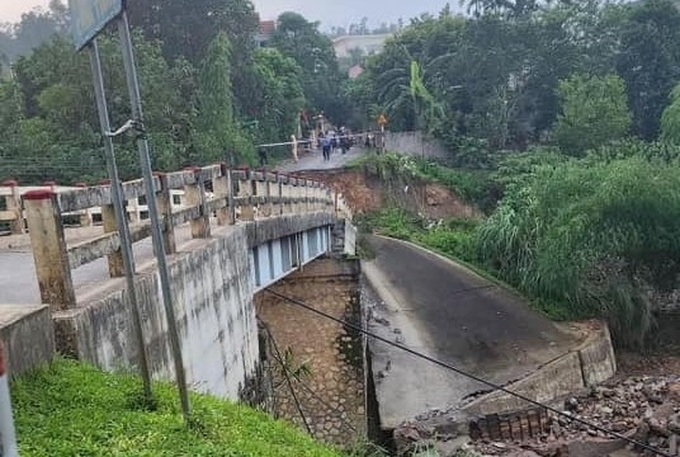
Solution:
(382, 120)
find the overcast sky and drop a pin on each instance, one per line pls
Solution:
(329, 12)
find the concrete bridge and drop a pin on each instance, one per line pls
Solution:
(237, 232)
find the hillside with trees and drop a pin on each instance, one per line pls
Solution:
(210, 94)
(562, 123)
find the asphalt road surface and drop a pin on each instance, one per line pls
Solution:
(446, 311)
(313, 160)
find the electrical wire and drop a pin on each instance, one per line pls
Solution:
(468, 375)
(287, 377)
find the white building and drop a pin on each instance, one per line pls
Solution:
(368, 44)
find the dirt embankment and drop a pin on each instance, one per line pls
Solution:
(367, 193)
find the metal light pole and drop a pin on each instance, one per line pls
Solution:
(8, 439)
(156, 230)
(121, 217)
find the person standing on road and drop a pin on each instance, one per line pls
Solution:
(294, 143)
(262, 153)
(326, 145)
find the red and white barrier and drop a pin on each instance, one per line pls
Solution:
(8, 441)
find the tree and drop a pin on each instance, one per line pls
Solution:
(594, 112)
(279, 94)
(218, 134)
(301, 40)
(670, 121)
(35, 28)
(52, 102)
(186, 29)
(649, 61)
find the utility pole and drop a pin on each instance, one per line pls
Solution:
(121, 217)
(156, 229)
(8, 440)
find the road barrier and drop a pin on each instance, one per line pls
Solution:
(213, 193)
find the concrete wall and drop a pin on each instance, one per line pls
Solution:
(333, 397)
(212, 289)
(28, 335)
(592, 363)
(415, 144)
(344, 238)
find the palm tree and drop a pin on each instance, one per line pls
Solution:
(405, 94)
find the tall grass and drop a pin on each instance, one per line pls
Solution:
(591, 240)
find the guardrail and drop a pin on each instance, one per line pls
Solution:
(215, 193)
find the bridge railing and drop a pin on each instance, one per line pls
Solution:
(11, 217)
(209, 195)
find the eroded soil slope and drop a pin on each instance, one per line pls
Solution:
(365, 194)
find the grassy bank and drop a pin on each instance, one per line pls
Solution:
(454, 238)
(74, 410)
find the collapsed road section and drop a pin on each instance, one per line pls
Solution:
(441, 309)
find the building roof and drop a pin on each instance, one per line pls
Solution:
(267, 27)
(355, 71)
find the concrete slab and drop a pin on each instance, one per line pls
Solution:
(555, 380)
(28, 334)
(597, 359)
(589, 364)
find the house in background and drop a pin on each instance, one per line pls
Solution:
(352, 50)
(356, 71)
(265, 33)
(367, 44)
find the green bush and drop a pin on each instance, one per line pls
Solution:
(74, 410)
(667, 153)
(594, 111)
(455, 239)
(392, 222)
(590, 239)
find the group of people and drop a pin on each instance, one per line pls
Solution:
(330, 141)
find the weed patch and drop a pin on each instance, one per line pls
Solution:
(75, 410)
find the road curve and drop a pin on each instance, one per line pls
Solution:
(451, 313)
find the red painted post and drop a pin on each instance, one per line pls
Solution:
(50, 252)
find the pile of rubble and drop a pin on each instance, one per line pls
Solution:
(643, 408)
(646, 409)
